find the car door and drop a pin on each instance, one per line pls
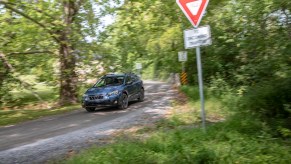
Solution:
(136, 83)
(129, 86)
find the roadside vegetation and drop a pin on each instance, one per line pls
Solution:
(50, 50)
(22, 104)
(250, 51)
(232, 136)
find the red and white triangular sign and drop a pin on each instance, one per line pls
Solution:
(193, 9)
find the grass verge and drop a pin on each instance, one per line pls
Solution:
(21, 105)
(9, 117)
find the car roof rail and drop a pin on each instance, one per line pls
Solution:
(116, 73)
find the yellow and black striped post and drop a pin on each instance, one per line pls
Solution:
(183, 77)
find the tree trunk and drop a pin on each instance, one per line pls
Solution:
(4, 68)
(64, 37)
(68, 77)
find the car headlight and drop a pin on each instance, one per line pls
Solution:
(113, 93)
(85, 96)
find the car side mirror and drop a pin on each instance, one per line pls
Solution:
(129, 82)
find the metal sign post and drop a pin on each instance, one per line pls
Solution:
(183, 66)
(200, 79)
(182, 55)
(194, 38)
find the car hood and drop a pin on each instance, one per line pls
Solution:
(101, 90)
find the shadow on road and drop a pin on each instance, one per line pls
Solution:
(131, 105)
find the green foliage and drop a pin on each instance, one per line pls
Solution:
(251, 47)
(144, 32)
(191, 92)
(286, 133)
(32, 34)
(218, 86)
(269, 98)
(219, 98)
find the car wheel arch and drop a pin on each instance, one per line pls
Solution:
(125, 92)
(121, 100)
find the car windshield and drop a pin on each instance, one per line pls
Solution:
(110, 81)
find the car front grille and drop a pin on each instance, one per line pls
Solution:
(96, 97)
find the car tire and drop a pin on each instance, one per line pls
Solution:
(123, 101)
(141, 95)
(90, 109)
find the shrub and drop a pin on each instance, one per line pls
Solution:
(269, 99)
(191, 91)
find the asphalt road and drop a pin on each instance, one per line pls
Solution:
(53, 137)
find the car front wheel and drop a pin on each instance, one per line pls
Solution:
(141, 95)
(123, 102)
(90, 109)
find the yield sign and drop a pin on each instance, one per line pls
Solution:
(193, 9)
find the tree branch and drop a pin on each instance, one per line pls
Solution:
(11, 69)
(30, 52)
(79, 4)
(7, 5)
(40, 11)
(287, 22)
(7, 65)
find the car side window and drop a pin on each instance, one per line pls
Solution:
(100, 83)
(109, 80)
(120, 80)
(136, 78)
(133, 78)
(128, 80)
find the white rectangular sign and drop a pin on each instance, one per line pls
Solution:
(197, 37)
(138, 66)
(182, 56)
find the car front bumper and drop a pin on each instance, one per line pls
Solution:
(105, 101)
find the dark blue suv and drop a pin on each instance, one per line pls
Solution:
(114, 90)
